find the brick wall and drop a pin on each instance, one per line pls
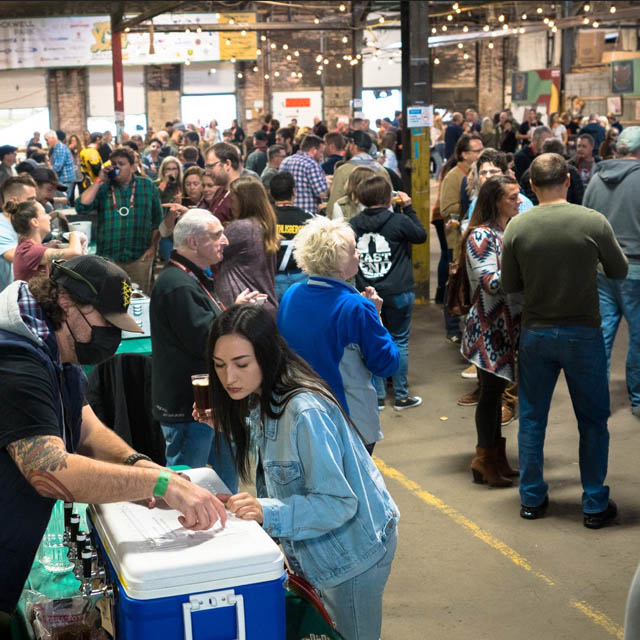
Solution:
(67, 97)
(491, 81)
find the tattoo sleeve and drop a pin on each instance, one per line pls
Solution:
(38, 458)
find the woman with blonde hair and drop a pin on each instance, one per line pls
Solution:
(170, 171)
(348, 206)
(488, 134)
(250, 258)
(556, 125)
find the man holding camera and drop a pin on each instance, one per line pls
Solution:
(128, 215)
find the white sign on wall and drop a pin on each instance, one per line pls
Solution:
(301, 105)
(86, 41)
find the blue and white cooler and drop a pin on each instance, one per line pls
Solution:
(174, 584)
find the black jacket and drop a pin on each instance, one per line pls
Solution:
(181, 315)
(383, 238)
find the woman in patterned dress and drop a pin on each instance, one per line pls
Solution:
(492, 327)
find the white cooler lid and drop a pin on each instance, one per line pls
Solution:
(156, 557)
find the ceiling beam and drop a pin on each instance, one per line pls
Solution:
(259, 26)
(147, 15)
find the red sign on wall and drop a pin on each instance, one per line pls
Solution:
(297, 102)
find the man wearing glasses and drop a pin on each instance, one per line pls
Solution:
(276, 154)
(52, 445)
(222, 163)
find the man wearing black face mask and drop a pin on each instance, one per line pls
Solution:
(52, 445)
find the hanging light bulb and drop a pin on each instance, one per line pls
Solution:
(449, 18)
(289, 57)
(521, 29)
(539, 10)
(316, 21)
(318, 58)
(612, 9)
(460, 45)
(381, 19)
(255, 69)
(501, 18)
(293, 74)
(199, 30)
(240, 76)
(233, 58)
(296, 53)
(436, 60)
(551, 23)
(285, 47)
(187, 62)
(358, 56)
(586, 21)
(232, 21)
(266, 76)
(338, 65)
(434, 30)
(505, 27)
(342, 7)
(554, 29)
(466, 56)
(444, 27)
(243, 32)
(458, 10)
(319, 72)
(263, 38)
(491, 44)
(465, 29)
(587, 8)
(486, 27)
(258, 52)
(546, 20)
(213, 70)
(595, 24)
(345, 39)
(276, 74)
(523, 16)
(455, 6)
(299, 74)
(227, 42)
(188, 30)
(325, 61)
(273, 45)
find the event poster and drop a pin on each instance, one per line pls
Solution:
(86, 41)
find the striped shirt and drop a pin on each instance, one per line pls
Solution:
(62, 163)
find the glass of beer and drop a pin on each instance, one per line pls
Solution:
(200, 383)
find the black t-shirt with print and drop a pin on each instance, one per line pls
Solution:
(290, 221)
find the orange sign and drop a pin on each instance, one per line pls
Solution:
(297, 102)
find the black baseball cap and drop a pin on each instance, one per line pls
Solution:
(361, 139)
(100, 283)
(260, 135)
(42, 174)
(6, 149)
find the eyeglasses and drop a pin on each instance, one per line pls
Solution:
(58, 265)
(489, 172)
(213, 166)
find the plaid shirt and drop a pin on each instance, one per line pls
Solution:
(310, 180)
(125, 238)
(62, 163)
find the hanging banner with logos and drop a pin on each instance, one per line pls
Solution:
(86, 41)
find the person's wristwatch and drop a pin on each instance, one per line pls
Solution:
(135, 457)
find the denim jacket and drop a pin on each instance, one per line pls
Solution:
(327, 502)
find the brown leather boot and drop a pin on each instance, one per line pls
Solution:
(484, 468)
(503, 464)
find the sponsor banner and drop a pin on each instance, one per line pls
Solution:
(86, 41)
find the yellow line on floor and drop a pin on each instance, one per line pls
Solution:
(599, 618)
(595, 616)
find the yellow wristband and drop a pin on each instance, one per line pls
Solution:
(161, 484)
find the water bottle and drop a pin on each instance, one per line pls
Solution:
(52, 552)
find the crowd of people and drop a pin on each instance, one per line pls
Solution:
(280, 262)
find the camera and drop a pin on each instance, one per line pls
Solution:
(113, 173)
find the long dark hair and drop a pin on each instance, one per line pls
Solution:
(284, 375)
(485, 213)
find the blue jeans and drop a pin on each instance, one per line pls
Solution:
(579, 352)
(165, 247)
(194, 444)
(396, 317)
(356, 605)
(622, 298)
(285, 280)
(443, 263)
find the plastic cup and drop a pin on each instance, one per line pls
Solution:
(52, 552)
(200, 384)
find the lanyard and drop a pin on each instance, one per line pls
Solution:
(219, 204)
(124, 211)
(190, 273)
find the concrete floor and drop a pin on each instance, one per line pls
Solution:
(467, 565)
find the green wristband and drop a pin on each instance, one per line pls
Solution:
(162, 483)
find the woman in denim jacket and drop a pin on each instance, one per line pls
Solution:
(325, 499)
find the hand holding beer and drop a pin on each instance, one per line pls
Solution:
(202, 407)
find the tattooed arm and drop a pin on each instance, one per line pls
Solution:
(55, 473)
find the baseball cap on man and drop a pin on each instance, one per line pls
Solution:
(630, 138)
(100, 283)
(42, 174)
(361, 139)
(6, 149)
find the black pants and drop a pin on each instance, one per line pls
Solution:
(489, 409)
